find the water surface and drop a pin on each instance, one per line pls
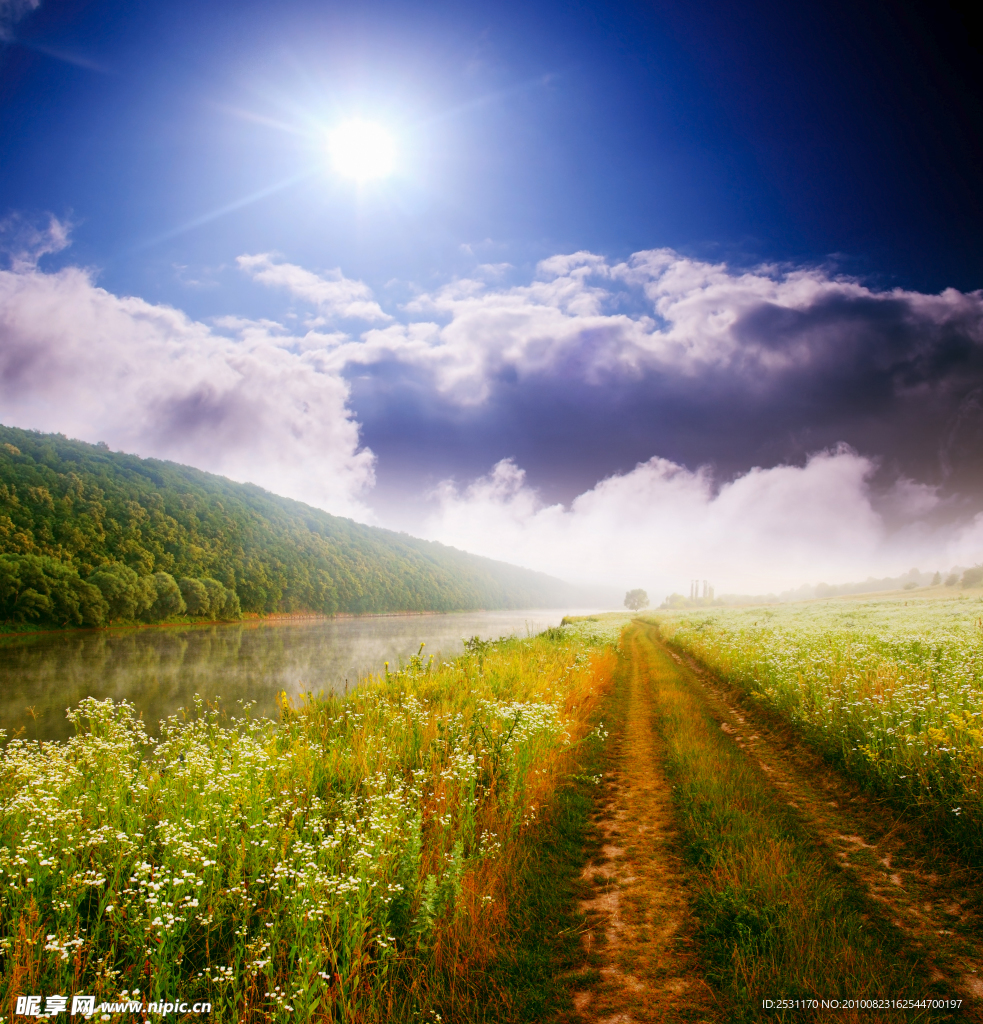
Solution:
(160, 670)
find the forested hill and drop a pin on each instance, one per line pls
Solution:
(89, 536)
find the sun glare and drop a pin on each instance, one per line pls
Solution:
(362, 150)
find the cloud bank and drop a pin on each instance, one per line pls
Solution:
(661, 525)
(662, 313)
(833, 430)
(145, 378)
(593, 366)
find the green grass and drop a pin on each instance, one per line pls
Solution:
(890, 690)
(364, 859)
(776, 917)
(532, 980)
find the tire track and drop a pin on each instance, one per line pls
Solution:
(639, 935)
(937, 906)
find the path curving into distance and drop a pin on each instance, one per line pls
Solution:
(730, 865)
(639, 934)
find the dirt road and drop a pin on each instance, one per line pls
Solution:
(641, 933)
(937, 905)
(643, 938)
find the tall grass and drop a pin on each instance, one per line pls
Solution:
(353, 862)
(893, 692)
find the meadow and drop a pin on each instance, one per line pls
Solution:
(357, 860)
(890, 690)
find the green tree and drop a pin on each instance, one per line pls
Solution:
(127, 595)
(636, 599)
(231, 609)
(195, 594)
(168, 601)
(973, 577)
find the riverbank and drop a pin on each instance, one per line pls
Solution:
(360, 858)
(248, 619)
(159, 671)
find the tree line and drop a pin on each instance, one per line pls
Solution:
(89, 536)
(38, 588)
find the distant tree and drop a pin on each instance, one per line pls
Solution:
(196, 596)
(636, 599)
(216, 597)
(222, 603)
(952, 579)
(232, 608)
(936, 579)
(973, 577)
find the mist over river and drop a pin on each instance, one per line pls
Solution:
(160, 669)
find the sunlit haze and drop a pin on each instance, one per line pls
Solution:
(629, 294)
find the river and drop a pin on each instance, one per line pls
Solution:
(160, 669)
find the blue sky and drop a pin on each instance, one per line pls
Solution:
(810, 178)
(758, 134)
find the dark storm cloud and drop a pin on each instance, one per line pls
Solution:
(731, 369)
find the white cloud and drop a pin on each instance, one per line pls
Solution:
(147, 379)
(658, 312)
(661, 525)
(333, 294)
(25, 242)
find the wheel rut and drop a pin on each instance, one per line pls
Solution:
(638, 938)
(937, 906)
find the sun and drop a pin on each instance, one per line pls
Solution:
(362, 150)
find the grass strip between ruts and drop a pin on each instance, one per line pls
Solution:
(777, 918)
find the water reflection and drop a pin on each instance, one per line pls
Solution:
(160, 670)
